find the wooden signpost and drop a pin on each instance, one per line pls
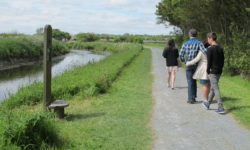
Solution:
(47, 65)
(57, 105)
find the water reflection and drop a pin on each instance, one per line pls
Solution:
(13, 79)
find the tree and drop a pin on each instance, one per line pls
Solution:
(39, 31)
(229, 18)
(87, 37)
(60, 35)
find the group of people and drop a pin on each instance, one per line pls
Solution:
(204, 61)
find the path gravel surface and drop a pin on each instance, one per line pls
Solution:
(181, 126)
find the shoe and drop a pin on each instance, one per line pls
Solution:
(172, 88)
(205, 105)
(190, 102)
(220, 111)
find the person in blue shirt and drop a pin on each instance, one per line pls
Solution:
(188, 52)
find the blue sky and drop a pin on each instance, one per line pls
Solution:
(74, 16)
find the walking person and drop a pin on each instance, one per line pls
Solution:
(201, 71)
(215, 63)
(171, 54)
(188, 52)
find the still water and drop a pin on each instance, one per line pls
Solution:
(13, 79)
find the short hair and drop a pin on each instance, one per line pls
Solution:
(193, 32)
(212, 35)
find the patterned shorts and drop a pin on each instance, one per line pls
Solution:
(172, 68)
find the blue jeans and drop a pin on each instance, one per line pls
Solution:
(192, 86)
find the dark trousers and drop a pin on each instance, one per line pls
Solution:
(192, 86)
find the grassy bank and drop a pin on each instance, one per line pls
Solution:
(27, 46)
(236, 97)
(109, 121)
(116, 120)
(97, 46)
(89, 80)
(157, 45)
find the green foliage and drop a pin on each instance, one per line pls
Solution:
(217, 16)
(87, 37)
(93, 78)
(24, 46)
(26, 131)
(97, 46)
(129, 38)
(60, 35)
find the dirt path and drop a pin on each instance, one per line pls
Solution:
(181, 126)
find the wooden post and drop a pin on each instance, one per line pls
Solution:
(47, 65)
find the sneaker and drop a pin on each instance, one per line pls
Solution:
(220, 111)
(205, 105)
(172, 88)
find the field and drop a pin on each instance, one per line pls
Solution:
(24, 125)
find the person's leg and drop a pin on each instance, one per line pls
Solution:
(189, 77)
(194, 89)
(217, 91)
(211, 94)
(173, 78)
(169, 78)
(194, 86)
(205, 91)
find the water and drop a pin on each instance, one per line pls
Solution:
(13, 79)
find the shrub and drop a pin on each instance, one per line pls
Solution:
(27, 47)
(27, 131)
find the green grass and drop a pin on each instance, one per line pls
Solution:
(27, 46)
(89, 80)
(118, 120)
(156, 45)
(236, 98)
(19, 117)
(97, 46)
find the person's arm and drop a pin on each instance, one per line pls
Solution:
(209, 60)
(195, 60)
(164, 54)
(182, 53)
(177, 53)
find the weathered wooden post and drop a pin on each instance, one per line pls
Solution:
(47, 65)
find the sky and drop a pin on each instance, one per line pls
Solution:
(75, 16)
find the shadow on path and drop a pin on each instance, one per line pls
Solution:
(179, 88)
(73, 117)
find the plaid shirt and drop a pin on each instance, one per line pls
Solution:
(191, 49)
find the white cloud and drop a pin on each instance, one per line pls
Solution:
(118, 2)
(107, 16)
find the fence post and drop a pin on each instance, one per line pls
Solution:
(47, 66)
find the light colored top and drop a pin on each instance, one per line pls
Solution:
(201, 71)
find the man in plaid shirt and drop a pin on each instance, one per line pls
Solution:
(188, 52)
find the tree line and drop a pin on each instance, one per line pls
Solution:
(230, 19)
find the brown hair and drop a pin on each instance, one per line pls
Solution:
(205, 43)
(171, 44)
(212, 35)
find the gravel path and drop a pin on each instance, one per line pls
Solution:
(181, 126)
